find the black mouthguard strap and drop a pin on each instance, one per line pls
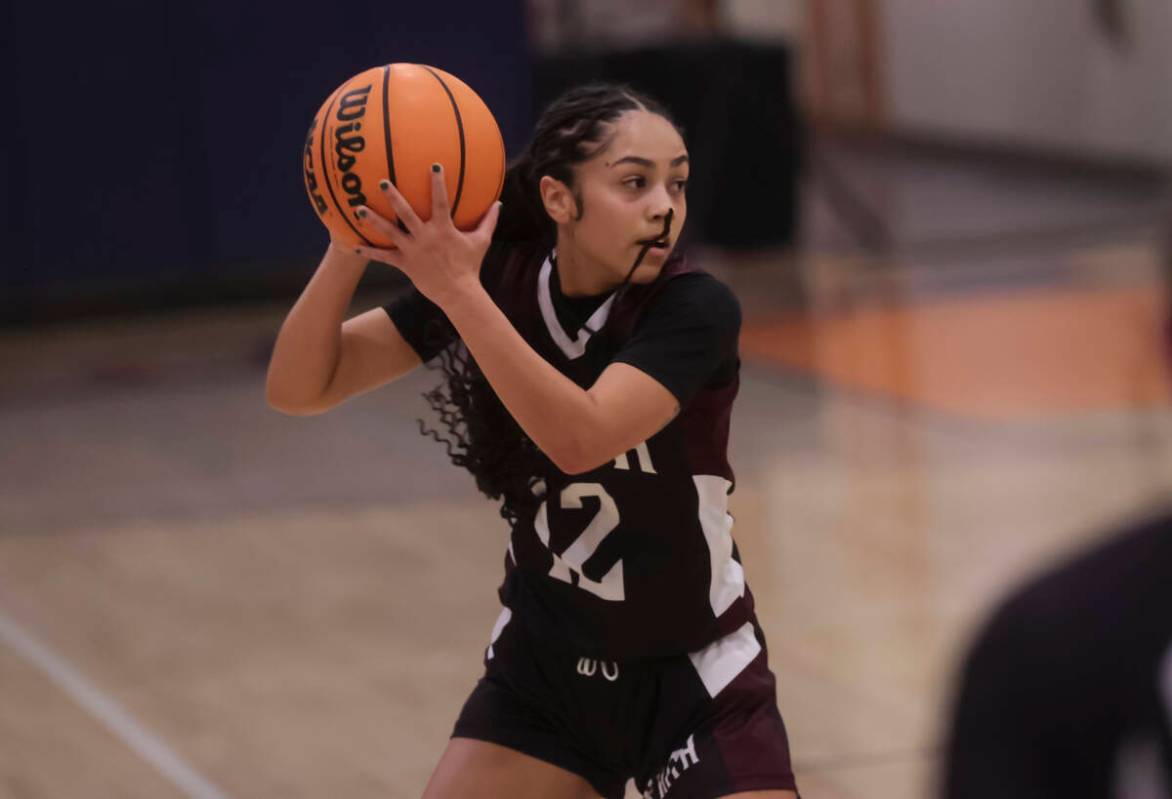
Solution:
(642, 254)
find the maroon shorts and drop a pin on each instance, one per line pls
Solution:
(695, 726)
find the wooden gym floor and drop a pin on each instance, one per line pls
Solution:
(200, 597)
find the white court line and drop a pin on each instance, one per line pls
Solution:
(145, 743)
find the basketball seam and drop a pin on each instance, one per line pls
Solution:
(387, 123)
(460, 128)
(326, 166)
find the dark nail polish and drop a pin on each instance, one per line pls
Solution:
(384, 184)
(435, 167)
(362, 213)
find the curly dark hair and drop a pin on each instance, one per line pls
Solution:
(481, 434)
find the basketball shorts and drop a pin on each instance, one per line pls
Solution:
(696, 726)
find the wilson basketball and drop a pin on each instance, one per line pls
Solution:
(394, 122)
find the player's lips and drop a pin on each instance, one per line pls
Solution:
(657, 243)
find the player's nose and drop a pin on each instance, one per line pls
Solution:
(659, 204)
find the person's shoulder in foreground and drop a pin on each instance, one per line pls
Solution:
(1068, 688)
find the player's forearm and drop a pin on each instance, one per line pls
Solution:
(554, 411)
(307, 348)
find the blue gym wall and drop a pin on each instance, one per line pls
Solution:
(154, 148)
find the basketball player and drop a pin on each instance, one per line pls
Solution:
(589, 373)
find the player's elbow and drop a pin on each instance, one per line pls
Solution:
(578, 457)
(292, 409)
(571, 466)
(562, 459)
(290, 406)
(298, 410)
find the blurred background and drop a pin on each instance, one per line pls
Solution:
(950, 228)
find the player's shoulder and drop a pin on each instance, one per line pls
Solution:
(701, 286)
(508, 253)
(701, 295)
(507, 262)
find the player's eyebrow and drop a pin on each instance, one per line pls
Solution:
(647, 162)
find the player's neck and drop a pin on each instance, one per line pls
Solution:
(581, 277)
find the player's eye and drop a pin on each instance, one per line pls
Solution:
(635, 182)
(680, 185)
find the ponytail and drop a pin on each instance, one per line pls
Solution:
(523, 217)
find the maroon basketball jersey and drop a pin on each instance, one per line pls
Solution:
(635, 558)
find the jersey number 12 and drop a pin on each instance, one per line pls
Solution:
(569, 563)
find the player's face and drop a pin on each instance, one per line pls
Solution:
(627, 191)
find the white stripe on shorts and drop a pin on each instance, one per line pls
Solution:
(720, 662)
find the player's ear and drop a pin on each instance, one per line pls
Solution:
(558, 200)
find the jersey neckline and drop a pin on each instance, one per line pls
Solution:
(573, 347)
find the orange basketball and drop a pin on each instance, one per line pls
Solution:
(394, 122)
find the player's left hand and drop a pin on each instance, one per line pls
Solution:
(441, 260)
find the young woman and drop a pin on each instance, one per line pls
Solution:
(589, 379)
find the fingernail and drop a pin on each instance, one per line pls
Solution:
(384, 184)
(435, 167)
(358, 251)
(361, 213)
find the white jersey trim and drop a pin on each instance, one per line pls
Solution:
(574, 348)
(501, 621)
(727, 583)
(720, 662)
